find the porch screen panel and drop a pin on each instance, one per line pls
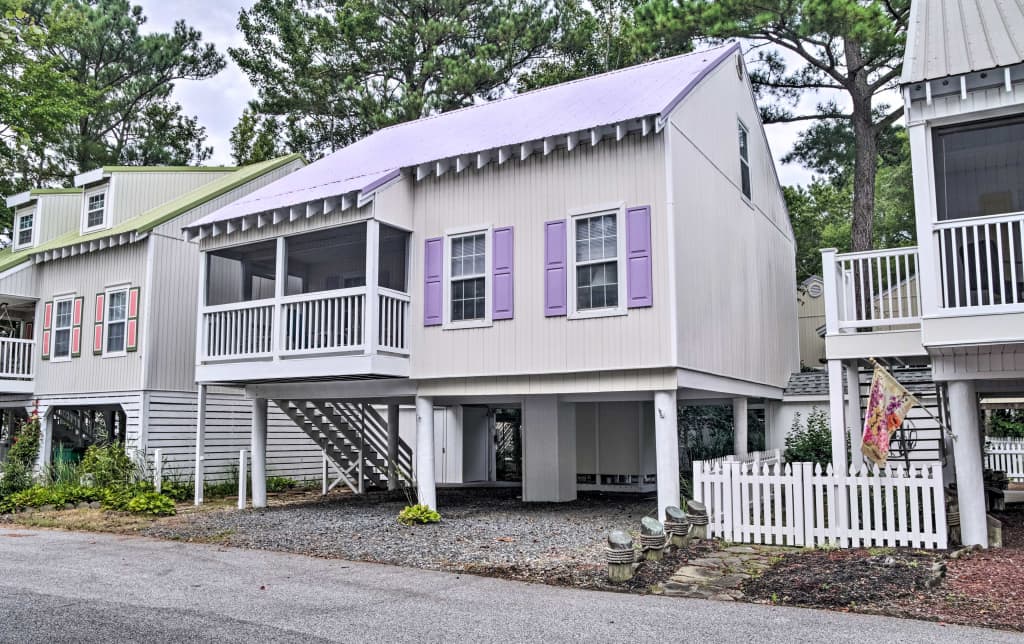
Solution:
(979, 169)
(241, 273)
(327, 260)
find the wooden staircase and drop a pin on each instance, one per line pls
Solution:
(354, 438)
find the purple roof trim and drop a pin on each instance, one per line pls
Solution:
(651, 89)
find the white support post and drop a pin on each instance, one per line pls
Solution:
(259, 452)
(370, 330)
(158, 470)
(45, 440)
(362, 448)
(970, 484)
(426, 488)
(739, 427)
(280, 283)
(323, 474)
(392, 447)
(929, 266)
(200, 442)
(242, 476)
(853, 413)
(201, 336)
(837, 416)
(830, 280)
(666, 446)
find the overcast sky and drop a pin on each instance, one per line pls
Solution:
(219, 102)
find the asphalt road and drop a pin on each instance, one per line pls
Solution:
(80, 587)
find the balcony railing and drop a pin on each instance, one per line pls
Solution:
(982, 263)
(871, 290)
(326, 322)
(16, 359)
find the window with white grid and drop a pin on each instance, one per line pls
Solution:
(468, 277)
(596, 240)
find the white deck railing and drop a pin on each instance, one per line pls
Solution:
(326, 322)
(16, 359)
(876, 288)
(1006, 455)
(982, 263)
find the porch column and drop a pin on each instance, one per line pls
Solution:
(970, 486)
(371, 328)
(666, 446)
(426, 488)
(259, 452)
(200, 442)
(853, 414)
(837, 417)
(392, 447)
(739, 427)
(108, 424)
(45, 439)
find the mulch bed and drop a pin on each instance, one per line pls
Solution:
(982, 588)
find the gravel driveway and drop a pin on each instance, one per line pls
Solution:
(482, 530)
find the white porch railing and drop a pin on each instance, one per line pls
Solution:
(16, 358)
(799, 504)
(1007, 455)
(330, 322)
(981, 260)
(872, 289)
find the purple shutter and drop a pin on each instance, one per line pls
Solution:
(554, 268)
(503, 246)
(433, 270)
(639, 284)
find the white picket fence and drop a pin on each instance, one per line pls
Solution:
(1007, 455)
(767, 457)
(798, 504)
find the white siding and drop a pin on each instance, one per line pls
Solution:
(20, 281)
(58, 215)
(526, 195)
(172, 428)
(735, 272)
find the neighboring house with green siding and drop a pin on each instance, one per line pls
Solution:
(97, 314)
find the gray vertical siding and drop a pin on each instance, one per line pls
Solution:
(526, 195)
(735, 270)
(86, 275)
(133, 193)
(58, 215)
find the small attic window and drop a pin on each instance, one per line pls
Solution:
(95, 216)
(24, 229)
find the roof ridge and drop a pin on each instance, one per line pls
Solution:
(539, 90)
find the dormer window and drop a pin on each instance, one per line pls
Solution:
(95, 211)
(24, 229)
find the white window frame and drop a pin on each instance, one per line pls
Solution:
(70, 299)
(619, 210)
(744, 162)
(106, 320)
(16, 242)
(104, 190)
(449, 236)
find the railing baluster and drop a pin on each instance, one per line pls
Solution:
(1012, 239)
(999, 259)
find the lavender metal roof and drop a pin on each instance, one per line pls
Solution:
(651, 89)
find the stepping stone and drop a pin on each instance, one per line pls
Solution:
(691, 574)
(707, 562)
(722, 597)
(747, 550)
(731, 582)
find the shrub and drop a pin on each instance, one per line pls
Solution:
(280, 484)
(109, 464)
(178, 490)
(37, 496)
(810, 443)
(21, 458)
(418, 514)
(152, 503)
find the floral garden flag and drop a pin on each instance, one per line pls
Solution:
(888, 404)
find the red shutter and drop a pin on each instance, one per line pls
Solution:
(132, 327)
(76, 326)
(47, 322)
(97, 331)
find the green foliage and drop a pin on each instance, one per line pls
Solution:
(280, 483)
(151, 503)
(108, 464)
(412, 514)
(1006, 423)
(706, 432)
(21, 458)
(60, 473)
(329, 72)
(179, 490)
(59, 495)
(810, 442)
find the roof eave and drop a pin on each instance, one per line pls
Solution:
(20, 199)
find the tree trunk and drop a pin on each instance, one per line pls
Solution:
(866, 151)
